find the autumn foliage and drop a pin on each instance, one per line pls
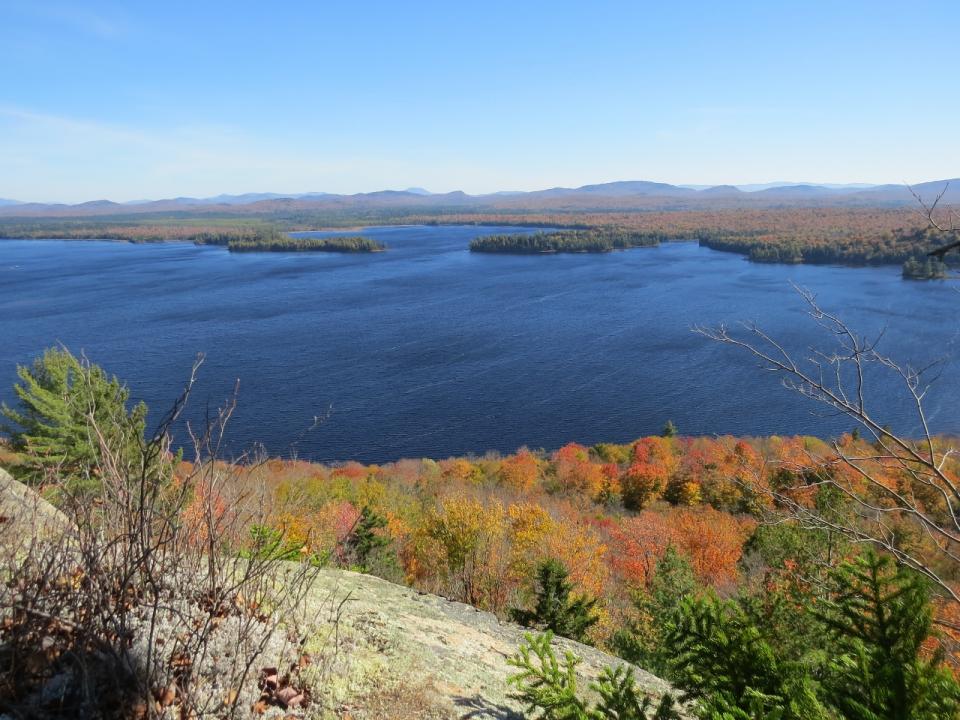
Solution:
(711, 540)
(475, 529)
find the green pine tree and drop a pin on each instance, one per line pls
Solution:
(879, 619)
(720, 657)
(640, 641)
(68, 411)
(554, 609)
(364, 541)
(853, 653)
(547, 687)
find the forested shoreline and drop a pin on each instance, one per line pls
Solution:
(889, 248)
(855, 237)
(243, 238)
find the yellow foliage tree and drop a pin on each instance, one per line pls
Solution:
(464, 541)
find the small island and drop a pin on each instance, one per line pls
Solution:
(566, 241)
(354, 244)
(270, 239)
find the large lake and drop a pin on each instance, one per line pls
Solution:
(429, 350)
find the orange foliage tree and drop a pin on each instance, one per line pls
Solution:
(520, 472)
(654, 462)
(461, 470)
(575, 472)
(710, 539)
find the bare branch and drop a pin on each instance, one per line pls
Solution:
(902, 481)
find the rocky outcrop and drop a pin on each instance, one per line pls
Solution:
(398, 647)
(23, 512)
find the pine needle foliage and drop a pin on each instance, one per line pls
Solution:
(555, 609)
(620, 700)
(68, 410)
(547, 687)
(860, 654)
(720, 657)
(364, 541)
(879, 619)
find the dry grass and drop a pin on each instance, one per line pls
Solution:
(417, 701)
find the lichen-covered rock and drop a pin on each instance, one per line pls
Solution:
(395, 640)
(23, 512)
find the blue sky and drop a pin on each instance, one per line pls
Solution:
(128, 100)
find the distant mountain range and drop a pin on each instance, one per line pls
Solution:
(621, 194)
(753, 187)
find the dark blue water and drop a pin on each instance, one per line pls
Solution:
(429, 350)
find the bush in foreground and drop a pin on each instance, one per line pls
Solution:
(154, 599)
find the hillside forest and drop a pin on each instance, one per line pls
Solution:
(695, 558)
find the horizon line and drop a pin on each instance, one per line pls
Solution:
(754, 187)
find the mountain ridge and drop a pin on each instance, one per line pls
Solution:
(620, 192)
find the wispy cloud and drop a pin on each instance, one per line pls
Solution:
(38, 122)
(60, 158)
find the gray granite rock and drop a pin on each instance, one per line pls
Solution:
(390, 635)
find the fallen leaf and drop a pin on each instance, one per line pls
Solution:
(270, 677)
(287, 695)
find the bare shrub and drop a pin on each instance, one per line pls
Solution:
(156, 599)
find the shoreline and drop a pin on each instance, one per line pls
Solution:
(745, 254)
